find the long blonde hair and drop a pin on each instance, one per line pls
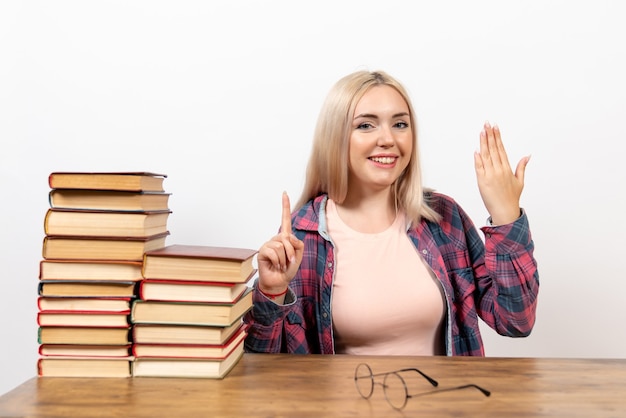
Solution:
(327, 169)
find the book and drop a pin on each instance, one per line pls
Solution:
(191, 368)
(191, 313)
(82, 319)
(198, 262)
(194, 291)
(84, 367)
(83, 335)
(103, 248)
(102, 223)
(129, 181)
(103, 270)
(90, 304)
(184, 334)
(215, 351)
(108, 200)
(77, 288)
(77, 350)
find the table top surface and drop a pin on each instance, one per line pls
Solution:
(282, 385)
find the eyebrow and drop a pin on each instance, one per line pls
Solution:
(373, 116)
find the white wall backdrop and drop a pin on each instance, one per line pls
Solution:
(223, 97)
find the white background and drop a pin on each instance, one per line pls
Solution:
(223, 97)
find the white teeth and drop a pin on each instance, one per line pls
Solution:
(383, 160)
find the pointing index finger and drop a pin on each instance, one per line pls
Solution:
(286, 217)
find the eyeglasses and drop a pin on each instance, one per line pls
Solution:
(394, 386)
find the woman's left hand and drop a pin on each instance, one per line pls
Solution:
(499, 187)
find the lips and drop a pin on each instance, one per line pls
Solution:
(383, 160)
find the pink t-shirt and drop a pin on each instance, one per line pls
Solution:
(386, 300)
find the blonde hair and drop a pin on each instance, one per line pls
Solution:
(327, 169)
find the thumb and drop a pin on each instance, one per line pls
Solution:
(520, 170)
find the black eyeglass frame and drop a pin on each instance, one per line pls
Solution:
(396, 373)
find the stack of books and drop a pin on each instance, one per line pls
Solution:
(187, 320)
(97, 229)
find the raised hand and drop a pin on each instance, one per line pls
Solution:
(499, 187)
(280, 257)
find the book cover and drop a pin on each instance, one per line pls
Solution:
(88, 304)
(207, 351)
(84, 367)
(190, 291)
(83, 319)
(82, 350)
(198, 262)
(78, 288)
(103, 248)
(188, 368)
(184, 334)
(108, 200)
(102, 223)
(129, 180)
(86, 270)
(191, 313)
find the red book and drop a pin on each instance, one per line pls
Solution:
(190, 291)
(70, 304)
(218, 351)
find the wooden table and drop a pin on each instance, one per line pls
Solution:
(264, 385)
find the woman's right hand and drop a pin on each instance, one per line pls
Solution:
(279, 258)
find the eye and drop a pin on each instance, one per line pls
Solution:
(401, 125)
(364, 126)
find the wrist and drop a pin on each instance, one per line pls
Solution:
(272, 293)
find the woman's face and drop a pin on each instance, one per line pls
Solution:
(381, 140)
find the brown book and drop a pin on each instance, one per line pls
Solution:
(198, 262)
(190, 313)
(80, 350)
(137, 181)
(103, 248)
(82, 304)
(100, 223)
(184, 334)
(83, 335)
(194, 291)
(82, 319)
(90, 270)
(108, 200)
(76, 288)
(190, 367)
(214, 351)
(84, 367)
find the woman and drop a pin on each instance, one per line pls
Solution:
(370, 262)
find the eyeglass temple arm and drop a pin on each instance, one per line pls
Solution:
(471, 385)
(430, 379)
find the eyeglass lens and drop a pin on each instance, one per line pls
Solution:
(364, 380)
(395, 389)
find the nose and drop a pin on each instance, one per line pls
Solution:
(385, 137)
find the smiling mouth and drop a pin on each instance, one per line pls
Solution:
(383, 160)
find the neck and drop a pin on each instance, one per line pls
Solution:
(369, 213)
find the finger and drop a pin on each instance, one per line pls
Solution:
(484, 148)
(501, 151)
(273, 253)
(478, 163)
(286, 217)
(288, 248)
(492, 148)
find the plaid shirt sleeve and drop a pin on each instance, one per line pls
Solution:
(508, 280)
